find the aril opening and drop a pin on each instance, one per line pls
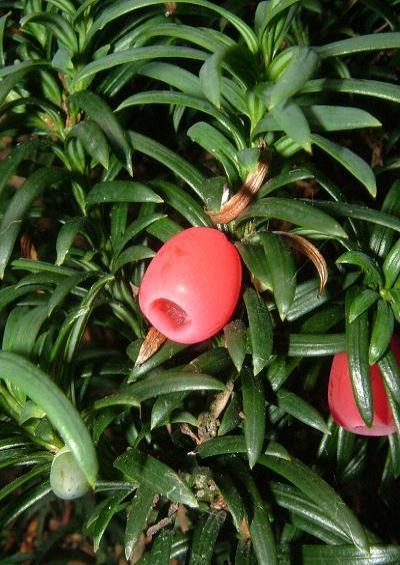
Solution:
(170, 316)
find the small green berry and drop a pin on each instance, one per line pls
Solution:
(66, 477)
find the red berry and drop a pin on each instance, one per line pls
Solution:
(342, 404)
(190, 288)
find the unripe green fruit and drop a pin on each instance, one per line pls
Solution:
(66, 478)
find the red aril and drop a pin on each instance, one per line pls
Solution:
(190, 288)
(341, 399)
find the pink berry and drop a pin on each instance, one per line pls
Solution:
(190, 288)
(342, 404)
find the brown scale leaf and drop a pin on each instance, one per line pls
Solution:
(308, 187)
(30, 535)
(220, 503)
(170, 8)
(239, 202)
(28, 250)
(135, 290)
(152, 342)
(245, 529)
(315, 256)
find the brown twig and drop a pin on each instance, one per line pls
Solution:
(221, 400)
(350, 5)
(235, 205)
(185, 429)
(381, 28)
(155, 528)
(208, 422)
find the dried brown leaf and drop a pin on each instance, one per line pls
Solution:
(235, 205)
(315, 256)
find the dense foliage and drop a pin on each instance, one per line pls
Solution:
(123, 122)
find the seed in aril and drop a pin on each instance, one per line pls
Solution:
(343, 406)
(190, 288)
(67, 481)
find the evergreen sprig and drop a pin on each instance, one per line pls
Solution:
(121, 123)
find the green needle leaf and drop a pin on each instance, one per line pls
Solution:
(100, 112)
(295, 212)
(302, 65)
(357, 345)
(204, 538)
(121, 191)
(352, 162)
(382, 331)
(155, 475)
(19, 206)
(260, 327)
(282, 270)
(254, 412)
(137, 517)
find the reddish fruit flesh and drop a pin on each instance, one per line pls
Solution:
(342, 404)
(190, 288)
